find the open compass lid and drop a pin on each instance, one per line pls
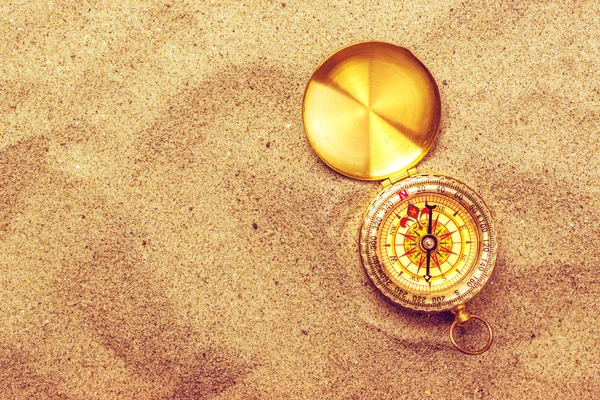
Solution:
(371, 110)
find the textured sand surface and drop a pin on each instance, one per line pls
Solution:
(166, 230)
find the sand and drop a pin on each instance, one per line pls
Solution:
(166, 230)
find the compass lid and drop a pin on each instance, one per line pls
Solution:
(371, 110)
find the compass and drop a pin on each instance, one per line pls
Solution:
(371, 112)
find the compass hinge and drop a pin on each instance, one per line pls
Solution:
(398, 177)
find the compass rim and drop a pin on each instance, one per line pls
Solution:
(490, 262)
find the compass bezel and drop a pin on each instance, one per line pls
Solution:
(479, 269)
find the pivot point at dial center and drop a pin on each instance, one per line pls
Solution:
(429, 242)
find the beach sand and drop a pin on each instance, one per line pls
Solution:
(167, 232)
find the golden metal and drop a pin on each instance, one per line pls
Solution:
(461, 315)
(394, 254)
(462, 318)
(371, 110)
(398, 177)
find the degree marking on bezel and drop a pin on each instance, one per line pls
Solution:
(479, 270)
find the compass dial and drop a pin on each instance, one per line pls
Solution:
(428, 243)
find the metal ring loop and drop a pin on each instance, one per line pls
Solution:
(473, 352)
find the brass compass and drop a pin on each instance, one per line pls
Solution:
(372, 111)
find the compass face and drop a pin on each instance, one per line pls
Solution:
(428, 243)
